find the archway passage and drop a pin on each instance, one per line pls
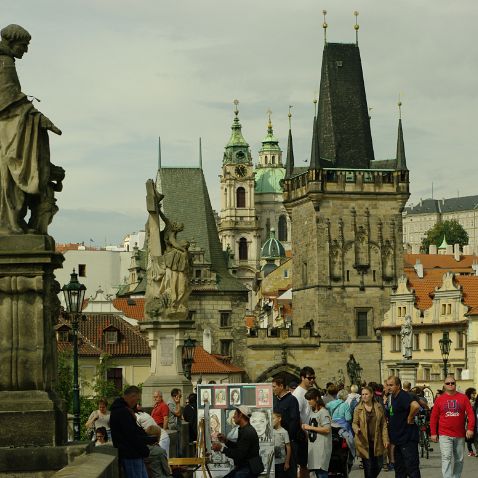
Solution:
(288, 372)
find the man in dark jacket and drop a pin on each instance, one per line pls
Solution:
(130, 439)
(287, 405)
(244, 452)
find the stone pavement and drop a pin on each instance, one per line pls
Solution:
(430, 468)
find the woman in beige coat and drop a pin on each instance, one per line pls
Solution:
(371, 435)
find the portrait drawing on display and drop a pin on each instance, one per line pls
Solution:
(234, 397)
(263, 397)
(220, 399)
(205, 396)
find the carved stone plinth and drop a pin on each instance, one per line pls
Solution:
(166, 338)
(30, 413)
(408, 371)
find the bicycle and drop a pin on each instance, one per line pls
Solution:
(424, 437)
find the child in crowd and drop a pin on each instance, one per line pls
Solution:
(282, 448)
(101, 437)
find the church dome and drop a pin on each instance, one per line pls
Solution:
(272, 248)
(269, 180)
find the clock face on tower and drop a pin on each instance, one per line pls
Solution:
(241, 170)
(240, 155)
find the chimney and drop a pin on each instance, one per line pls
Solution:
(467, 250)
(449, 250)
(432, 249)
(456, 252)
(419, 268)
(415, 248)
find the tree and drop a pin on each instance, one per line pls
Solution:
(452, 230)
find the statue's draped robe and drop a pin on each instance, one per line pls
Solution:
(24, 150)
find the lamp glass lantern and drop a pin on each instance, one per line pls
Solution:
(188, 350)
(74, 293)
(445, 345)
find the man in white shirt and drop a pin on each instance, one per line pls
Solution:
(307, 380)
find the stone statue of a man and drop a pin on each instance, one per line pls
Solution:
(28, 180)
(169, 263)
(406, 334)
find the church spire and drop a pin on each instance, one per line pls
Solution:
(289, 164)
(401, 164)
(315, 152)
(237, 149)
(270, 154)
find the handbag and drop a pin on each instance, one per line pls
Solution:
(255, 464)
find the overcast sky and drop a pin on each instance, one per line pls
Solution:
(115, 74)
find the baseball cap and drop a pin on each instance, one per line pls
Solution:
(245, 410)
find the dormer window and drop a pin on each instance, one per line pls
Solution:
(111, 335)
(63, 335)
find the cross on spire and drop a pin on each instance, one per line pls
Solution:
(236, 109)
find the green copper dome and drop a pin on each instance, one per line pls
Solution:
(270, 143)
(444, 244)
(272, 248)
(237, 149)
(269, 180)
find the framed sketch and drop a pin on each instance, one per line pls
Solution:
(234, 397)
(263, 396)
(261, 420)
(205, 396)
(220, 397)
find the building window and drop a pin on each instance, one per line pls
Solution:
(348, 276)
(115, 376)
(240, 197)
(362, 323)
(395, 343)
(286, 273)
(443, 309)
(426, 373)
(243, 249)
(225, 319)
(304, 273)
(197, 273)
(226, 347)
(82, 270)
(416, 341)
(448, 309)
(282, 228)
(266, 159)
(63, 335)
(401, 311)
(460, 340)
(458, 372)
(111, 336)
(273, 160)
(429, 341)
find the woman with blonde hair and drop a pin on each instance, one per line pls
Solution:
(371, 435)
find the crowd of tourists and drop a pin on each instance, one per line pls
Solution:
(377, 424)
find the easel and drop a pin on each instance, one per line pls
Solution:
(200, 460)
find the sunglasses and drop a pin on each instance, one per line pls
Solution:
(312, 377)
(450, 383)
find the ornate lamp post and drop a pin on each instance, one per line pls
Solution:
(74, 293)
(445, 345)
(188, 356)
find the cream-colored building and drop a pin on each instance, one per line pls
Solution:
(440, 293)
(421, 217)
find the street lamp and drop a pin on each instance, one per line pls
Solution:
(445, 345)
(74, 293)
(188, 356)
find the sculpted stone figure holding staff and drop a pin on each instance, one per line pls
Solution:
(169, 262)
(28, 180)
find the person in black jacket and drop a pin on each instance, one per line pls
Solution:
(128, 437)
(244, 452)
(287, 405)
(190, 415)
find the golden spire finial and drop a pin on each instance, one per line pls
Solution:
(290, 117)
(356, 26)
(399, 107)
(236, 109)
(324, 25)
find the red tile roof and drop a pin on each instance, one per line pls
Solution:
(92, 339)
(73, 247)
(133, 311)
(439, 261)
(205, 363)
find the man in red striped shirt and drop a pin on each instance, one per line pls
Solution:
(452, 419)
(160, 410)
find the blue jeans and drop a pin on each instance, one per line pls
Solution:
(244, 472)
(134, 468)
(407, 462)
(319, 473)
(452, 452)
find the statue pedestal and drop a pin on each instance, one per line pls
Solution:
(166, 339)
(30, 413)
(408, 371)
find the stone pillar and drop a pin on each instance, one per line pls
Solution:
(166, 339)
(408, 371)
(30, 413)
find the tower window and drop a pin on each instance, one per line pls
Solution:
(82, 270)
(266, 159)
(243, 249)
(282, 228)
(273, 160)
(362, 323)
(241, 197)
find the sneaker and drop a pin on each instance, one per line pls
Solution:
(391, 467)
(471, 453)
